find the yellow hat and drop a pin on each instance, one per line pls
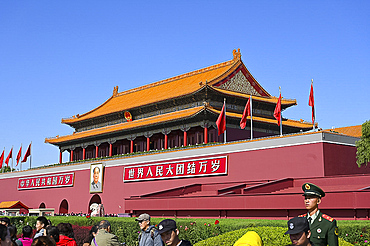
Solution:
(250, 238)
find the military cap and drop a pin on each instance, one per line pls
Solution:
(313, 190)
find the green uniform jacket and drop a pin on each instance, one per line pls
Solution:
(324, 230)
(104, 238)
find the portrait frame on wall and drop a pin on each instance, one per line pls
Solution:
(96, 178)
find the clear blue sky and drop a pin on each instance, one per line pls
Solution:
(61, 58)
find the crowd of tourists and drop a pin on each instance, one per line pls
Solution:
(83, 214)
(311, 229)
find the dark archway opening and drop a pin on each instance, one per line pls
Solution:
(42, 205)
(63, 208)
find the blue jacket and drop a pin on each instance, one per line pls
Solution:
(150, 237)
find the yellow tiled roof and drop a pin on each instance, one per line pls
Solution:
(156, 92)
(127, 125)
(354, 131)
(11, 204)
(186, 113)
(289, 102)
(174, 87)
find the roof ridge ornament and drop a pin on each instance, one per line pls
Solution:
(115, 91)
(237, 55)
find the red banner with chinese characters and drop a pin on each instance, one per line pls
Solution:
(47, 181)
(181, 169)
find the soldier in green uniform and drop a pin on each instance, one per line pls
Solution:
(323, 228)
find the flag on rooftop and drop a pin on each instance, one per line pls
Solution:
(19, 155)
(311, 102)
(10, 155)
(246, 113)
(277, 112)
(221, 121)
(2, 159)
(28, 153)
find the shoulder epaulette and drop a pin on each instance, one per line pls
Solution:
(302, 215)
(327, 217)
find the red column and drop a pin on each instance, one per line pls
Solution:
(96, 151)
(147, 144)
(83, 153)
(60, 157)
(71, 157)
(110, 149)
(205, 135)
(165, 141)
(185, 138)
(132, 146)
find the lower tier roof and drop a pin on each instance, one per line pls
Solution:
(165, 118)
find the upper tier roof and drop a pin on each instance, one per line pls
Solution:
(174, 87)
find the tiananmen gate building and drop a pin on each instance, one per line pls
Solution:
(156, 149)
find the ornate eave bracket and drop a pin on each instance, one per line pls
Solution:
(205, 124)
(185, 128)
(131, 137)
(166, 131)
(148, 134)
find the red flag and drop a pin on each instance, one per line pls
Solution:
(221, 121)
(311, 102)
(9, 156)
(28, 153)
(277, 112)
(246, 113)
(19, 155)
(2, 159)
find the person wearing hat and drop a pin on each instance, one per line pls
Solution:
(170, 234)
(251, 238)
(149, 234)
(299, 231)
(324, 230)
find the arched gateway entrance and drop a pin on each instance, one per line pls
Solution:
(94, 199)
(63, 208)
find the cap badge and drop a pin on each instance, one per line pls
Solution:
(291, 226)
(307, 186)
(318, 230)
(160, 227)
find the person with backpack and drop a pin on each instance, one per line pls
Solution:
(149, 235)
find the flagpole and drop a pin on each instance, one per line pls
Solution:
(313, 109)
(30, 154)
(2, 164)
(21, 158)
(225, 121)
(281, 117)
(12, 159)
(250, 98)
